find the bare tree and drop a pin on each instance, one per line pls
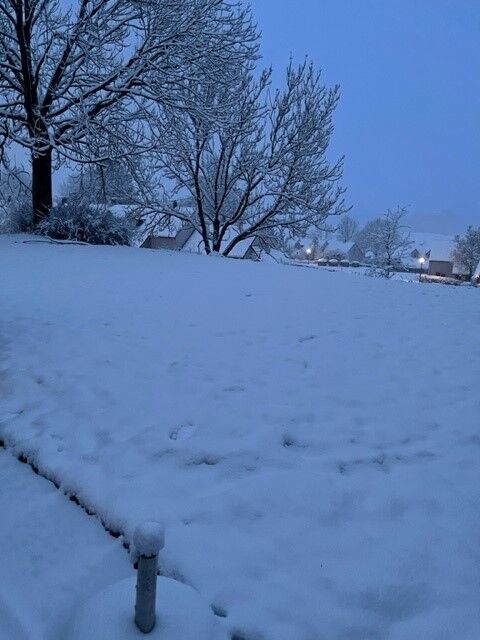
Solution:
(72, 70)
(261, 168)
(467, 250)
(387, 239)
(347, 229)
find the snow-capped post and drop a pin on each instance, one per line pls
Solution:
(148, 540)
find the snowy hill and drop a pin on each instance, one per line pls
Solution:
(310, 439)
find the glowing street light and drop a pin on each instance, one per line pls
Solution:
(308, 251)
(421, 260)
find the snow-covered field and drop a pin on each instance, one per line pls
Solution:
(53, 556)
(311, 440)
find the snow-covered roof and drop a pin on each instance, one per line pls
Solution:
(334, 244)
(153, 224)
(439, 247)
(121, 211)
(240, 249)
(194, 243)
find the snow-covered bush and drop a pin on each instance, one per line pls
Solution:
(15, 217)
(375, 271)
(15, 200)
(74, 220)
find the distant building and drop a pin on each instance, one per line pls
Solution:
(436, 250)
(162, 239)
(442, 268)
(324, 246)
(337, 249)
(186, 238)
(189, 239)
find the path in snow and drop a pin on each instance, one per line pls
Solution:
(53, 556)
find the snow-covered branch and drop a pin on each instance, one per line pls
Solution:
(260, 168)
(69, 73)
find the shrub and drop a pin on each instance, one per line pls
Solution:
(84, 223)
(15, 216)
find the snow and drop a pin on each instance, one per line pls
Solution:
(53, 556)
(334, 244)
(182, 614)
(477, 272)
(149, 538)
(310, 439)
(241, 248)
(155, 225)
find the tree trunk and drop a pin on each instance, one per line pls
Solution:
(41, 185)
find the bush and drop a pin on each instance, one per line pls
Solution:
(377, 271)
(15, 216)
(84, 223)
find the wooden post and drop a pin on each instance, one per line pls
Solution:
(148, 539)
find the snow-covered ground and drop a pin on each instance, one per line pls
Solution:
(53, 556)
(404, 276)
(311, 440)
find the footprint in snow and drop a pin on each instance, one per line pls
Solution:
(307, 338)
(235, 388)
(183, 433)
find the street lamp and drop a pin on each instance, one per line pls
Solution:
(309, 253)
(422, 262)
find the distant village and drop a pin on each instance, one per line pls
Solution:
(345, 245)
(430, 255)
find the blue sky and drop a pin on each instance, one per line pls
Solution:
(409, 121)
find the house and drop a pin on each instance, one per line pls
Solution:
(324, 245)
(436, 252)
(189, 239)
(442, 268)
(175, 237)
(178, 237)
(248, 249)
(343, 250)
(154, 232)
(166, 239)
